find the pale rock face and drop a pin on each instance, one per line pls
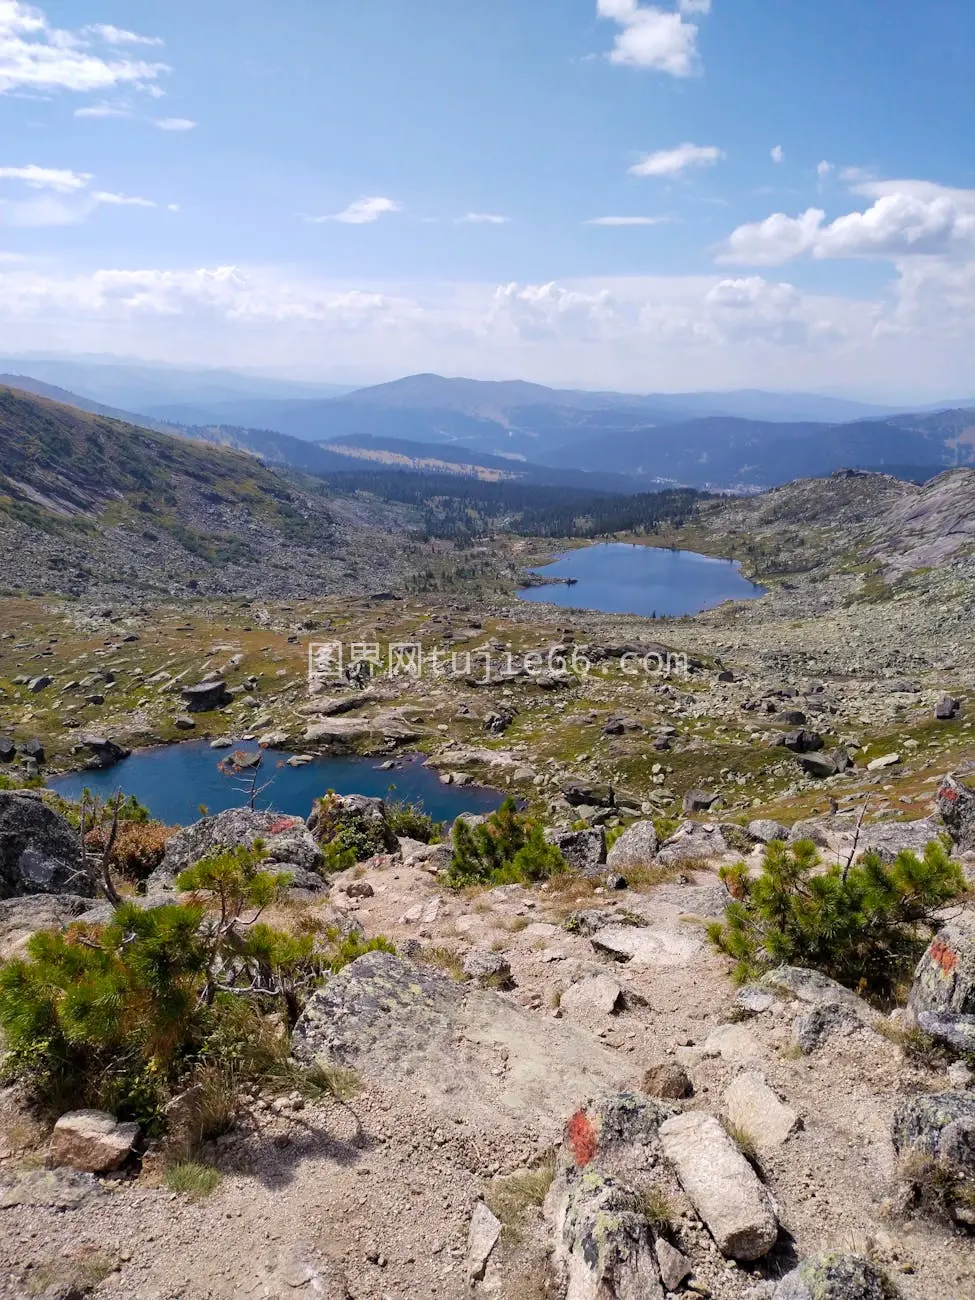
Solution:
(752, 1106)
(92, 1141)
(721, 1185)
(482, 1238)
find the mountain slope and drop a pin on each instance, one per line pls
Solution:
(87, 502)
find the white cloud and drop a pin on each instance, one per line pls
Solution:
(175, 123)
(360, 213)
(627, 221)
(118, 35)
(47, 178)
(823, 169)
(671, 162)
(123, 200)
(639, 333)
(483, 219)
(103, 110)
(914, 220)
(35, 56)
(70, 200)
(654, 38)
(777, 154)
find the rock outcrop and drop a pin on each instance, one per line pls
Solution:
(40, 852)
(287, 842)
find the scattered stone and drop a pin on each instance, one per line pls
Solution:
(669, 1082)
(801, 741)
(603, 1243)
(885, 760)
(721, 1185)
(819, 766)
(37, 684)
(488, 968)
(694, 842)
(753, 1107)
(92, 1141)
(58, 1189)
(814, 1026)
(579, 793)
(104, 752)
(636, 847)
(359, 889)
(482, 1237)
(593, 993)
(40, 852)
(673, 1264)
(184, 722)
(7, 749)
(754, 1000)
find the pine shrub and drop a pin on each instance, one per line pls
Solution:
(864, 925)
(508, 848)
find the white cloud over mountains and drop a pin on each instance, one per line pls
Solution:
(37, 56)
(655, 38)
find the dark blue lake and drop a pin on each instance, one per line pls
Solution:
(616, 578)
(173, 780)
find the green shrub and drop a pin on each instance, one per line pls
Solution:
(189, 1178)
(508, 848)
(864, 925)
(410, 821)
(347, 836)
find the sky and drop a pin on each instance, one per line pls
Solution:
(695, 194)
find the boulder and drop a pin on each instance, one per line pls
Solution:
(398, 1021)
(604, 1244)
(599, 994)
(287, 842)
(22, 917)
(358, 819)
(754, 1109)
(7, 749)
(584, 851)
(888, 838)
(815, 988)
(579, 793)
(819, 766)
(765, 830)
(947, 708)
(31, 750)
(940, 1126)
(104, 752)
(205, 696)
(92, 1141)
(694, 842)
(883, 762)
(698, 801)
(295, 1272)
(644, 946)
(673, 1264)
(811, 1030)
(942, 997)
(809, 829)
(833, 1275)
(40, 852)
(955, 803)
(636, 847)
(801, 741)
(721, 1185)
(490, 968)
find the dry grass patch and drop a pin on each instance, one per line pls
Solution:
(512, 1197)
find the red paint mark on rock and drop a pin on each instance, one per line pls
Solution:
(280, 824)
(945, 958)
(582, 1138)
(949, 793)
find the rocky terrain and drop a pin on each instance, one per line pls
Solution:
(549, 1091)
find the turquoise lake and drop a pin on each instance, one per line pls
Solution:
(173, 780)
(616, 578)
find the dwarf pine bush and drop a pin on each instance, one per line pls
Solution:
(508, 848)
(864, 925)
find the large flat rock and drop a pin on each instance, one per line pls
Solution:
(467, 1052)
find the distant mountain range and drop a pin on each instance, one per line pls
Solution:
(612, 441)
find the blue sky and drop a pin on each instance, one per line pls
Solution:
(692, 194)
